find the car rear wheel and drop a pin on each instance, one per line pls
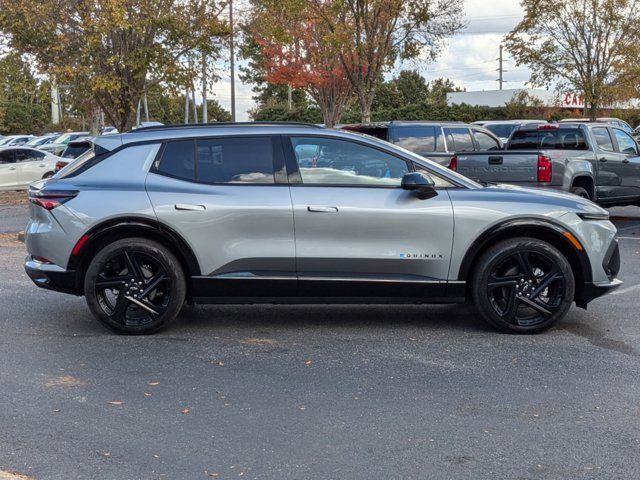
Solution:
(523, 285)
(135, 286)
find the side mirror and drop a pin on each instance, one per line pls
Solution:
(420, 183)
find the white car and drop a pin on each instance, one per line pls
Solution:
(20, 166)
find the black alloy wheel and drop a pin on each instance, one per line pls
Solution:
(135, 286)
(525, 285)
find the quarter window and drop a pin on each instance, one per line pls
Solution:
(327, 161)
(419, 139)
(603, 139)
(23, 155)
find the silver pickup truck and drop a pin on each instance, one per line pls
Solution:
(595, 160)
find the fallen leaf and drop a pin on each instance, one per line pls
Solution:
(257, 341)
(156, 456)
(211, 474)
(64, 381)
(220, 364)
(56, 410)
(153, 384)
(147, 394)
(184, 411)
(308, 362)
(115, 402)
(413, 339)
(302, 407)
(106, 454)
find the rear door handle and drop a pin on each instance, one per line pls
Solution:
(187, 206)
(603, 160)
(495, 160)
(625, 161)
(12, 168)
(322, 209)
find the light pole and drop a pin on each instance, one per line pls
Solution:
(232, 64)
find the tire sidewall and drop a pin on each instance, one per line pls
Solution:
(158, 252)
(500, 252)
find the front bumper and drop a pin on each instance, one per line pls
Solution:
(592, 290)
(52, 277)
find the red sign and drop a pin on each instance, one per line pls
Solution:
(572, 100)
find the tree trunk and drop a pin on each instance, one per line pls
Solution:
(593, 110)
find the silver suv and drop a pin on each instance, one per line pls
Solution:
(252, 213)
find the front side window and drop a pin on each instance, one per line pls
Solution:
(603, 139)
(626, 144)
(459, 139)
(486, 142)
(329, 161)
(24, 155)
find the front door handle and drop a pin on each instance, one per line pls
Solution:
(625, 160)
(42, 165)
(322, 209)
(12, 168)
(603, 160)
(190, 207)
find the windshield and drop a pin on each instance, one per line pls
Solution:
(501, 130)
(5, 140)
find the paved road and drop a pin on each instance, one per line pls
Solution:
(298, 392)
(13, 218)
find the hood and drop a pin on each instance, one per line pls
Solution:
(553, 198)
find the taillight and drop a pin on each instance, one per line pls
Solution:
(453, 163)
(545, 169)
(50, 199)
(60, 165)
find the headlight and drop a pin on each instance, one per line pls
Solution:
(594, 216)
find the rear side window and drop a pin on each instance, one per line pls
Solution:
(419, 139)
(7, 157)
(235, 160)
(220, 160)
(178, 160)
(555, 139)
(603, 139)
(459, 139)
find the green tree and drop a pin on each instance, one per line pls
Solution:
(24, 102)
(113, 51)
(578, 44)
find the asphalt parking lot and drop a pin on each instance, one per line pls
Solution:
(299, 392)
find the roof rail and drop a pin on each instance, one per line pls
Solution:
(222, 124)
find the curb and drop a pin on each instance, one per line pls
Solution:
(21, 236)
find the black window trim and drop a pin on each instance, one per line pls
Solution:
(614, 142)
(295, 179)
(279, 167)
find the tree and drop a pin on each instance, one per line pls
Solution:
(113, 51)
(23, 100)
(295, 52)
(369, 36)
(578, 44)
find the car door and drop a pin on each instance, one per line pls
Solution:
(8, 170)
(228, 198)
(31, 165)
(628, 164)
(609, 163)
(357, 232)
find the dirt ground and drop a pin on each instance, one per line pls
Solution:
(14, 198)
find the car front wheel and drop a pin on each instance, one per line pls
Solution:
(135, 286)
(523, 285)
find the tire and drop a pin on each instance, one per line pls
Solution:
(523, 285)
(47, 175)
(135, 286)
(581, 192)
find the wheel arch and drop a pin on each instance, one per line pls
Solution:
(115, 229)
(544, 230)
(586, 182)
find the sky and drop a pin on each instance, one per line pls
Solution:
(469, 59)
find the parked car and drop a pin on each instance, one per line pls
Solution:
(436, 141)
(15, 140)
(19, 166)
(609, 120)
(504, 128)
(60, 144)
(74, 149)
(109, 131)
(593, 160)
(236, 213)
(42, 140)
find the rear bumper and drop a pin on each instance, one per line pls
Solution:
(592, 290)
(52, 277)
